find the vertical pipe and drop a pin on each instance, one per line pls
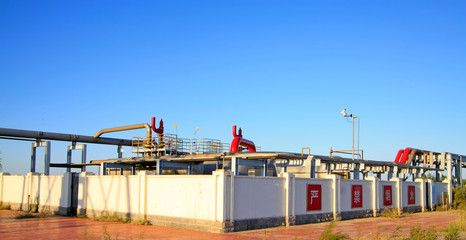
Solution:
(313, 167)
(352, 122)
(189, 171)
(356, 172)
(120, 152)
(84, 157)
(103, 169)
(359, 124)
(68, 156)
(234, 166)
(33, 157)
(232, 198)
(264, 168)
(460, 171)
(159, 167)
(47, 158)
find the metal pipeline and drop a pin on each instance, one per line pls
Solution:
(124, 128)
(38, 135)
(238, 141)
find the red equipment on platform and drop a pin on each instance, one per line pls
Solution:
(157, 130)
(238, 141)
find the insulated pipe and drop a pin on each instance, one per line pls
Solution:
(411, 156)
(404, 156)
(249, 144)
(8, 132)
(124, 128)
(397, 158)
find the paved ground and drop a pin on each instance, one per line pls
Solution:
(79, 228)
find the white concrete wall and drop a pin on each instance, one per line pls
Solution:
(54, 191)
(301, 195)
(34, 189)
(404, 194)
(380, 194)
(438, 189)
(112, 193)
(186, 196)
(220, 197)
(15, 189)
(258, 197)
(216, 197)
(345, 194)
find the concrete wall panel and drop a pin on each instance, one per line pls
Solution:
(438, 189)
(112, 194)
(181, 196)
(345, 194)
(380, 194)
(259, 197)
(301, 195)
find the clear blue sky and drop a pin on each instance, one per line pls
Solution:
(281, 70)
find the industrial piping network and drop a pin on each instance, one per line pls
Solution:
(39, 136)
(409, 157)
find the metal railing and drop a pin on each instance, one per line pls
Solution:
(170, 144)
(358, 152)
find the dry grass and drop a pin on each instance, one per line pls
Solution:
(440, 208)
(29, 214)
(5, 206)
(418, 233)
(328, 235)
(390, 213)
(110, 218)
(141, 222)
(116, 218)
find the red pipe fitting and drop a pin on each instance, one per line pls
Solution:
(238, 141)
(157, 130)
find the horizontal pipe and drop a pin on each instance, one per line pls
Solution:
(20, 139)
(65, 165)
(8, 132)
(124, 128)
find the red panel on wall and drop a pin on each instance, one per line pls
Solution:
(314, 197)
(411, 195)
(356, 196)
(387, 195)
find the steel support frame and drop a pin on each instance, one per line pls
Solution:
(69, 152)
(235, 162)
(120, 151)
(189, 166)
(47, 145)
(104, 166)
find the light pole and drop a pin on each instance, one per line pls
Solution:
(195, 141)
(352, 123)
(197, 129)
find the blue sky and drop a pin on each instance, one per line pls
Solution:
(281, 70)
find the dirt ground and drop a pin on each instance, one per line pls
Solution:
(57, 227)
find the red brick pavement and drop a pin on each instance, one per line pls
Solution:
(79, 228)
